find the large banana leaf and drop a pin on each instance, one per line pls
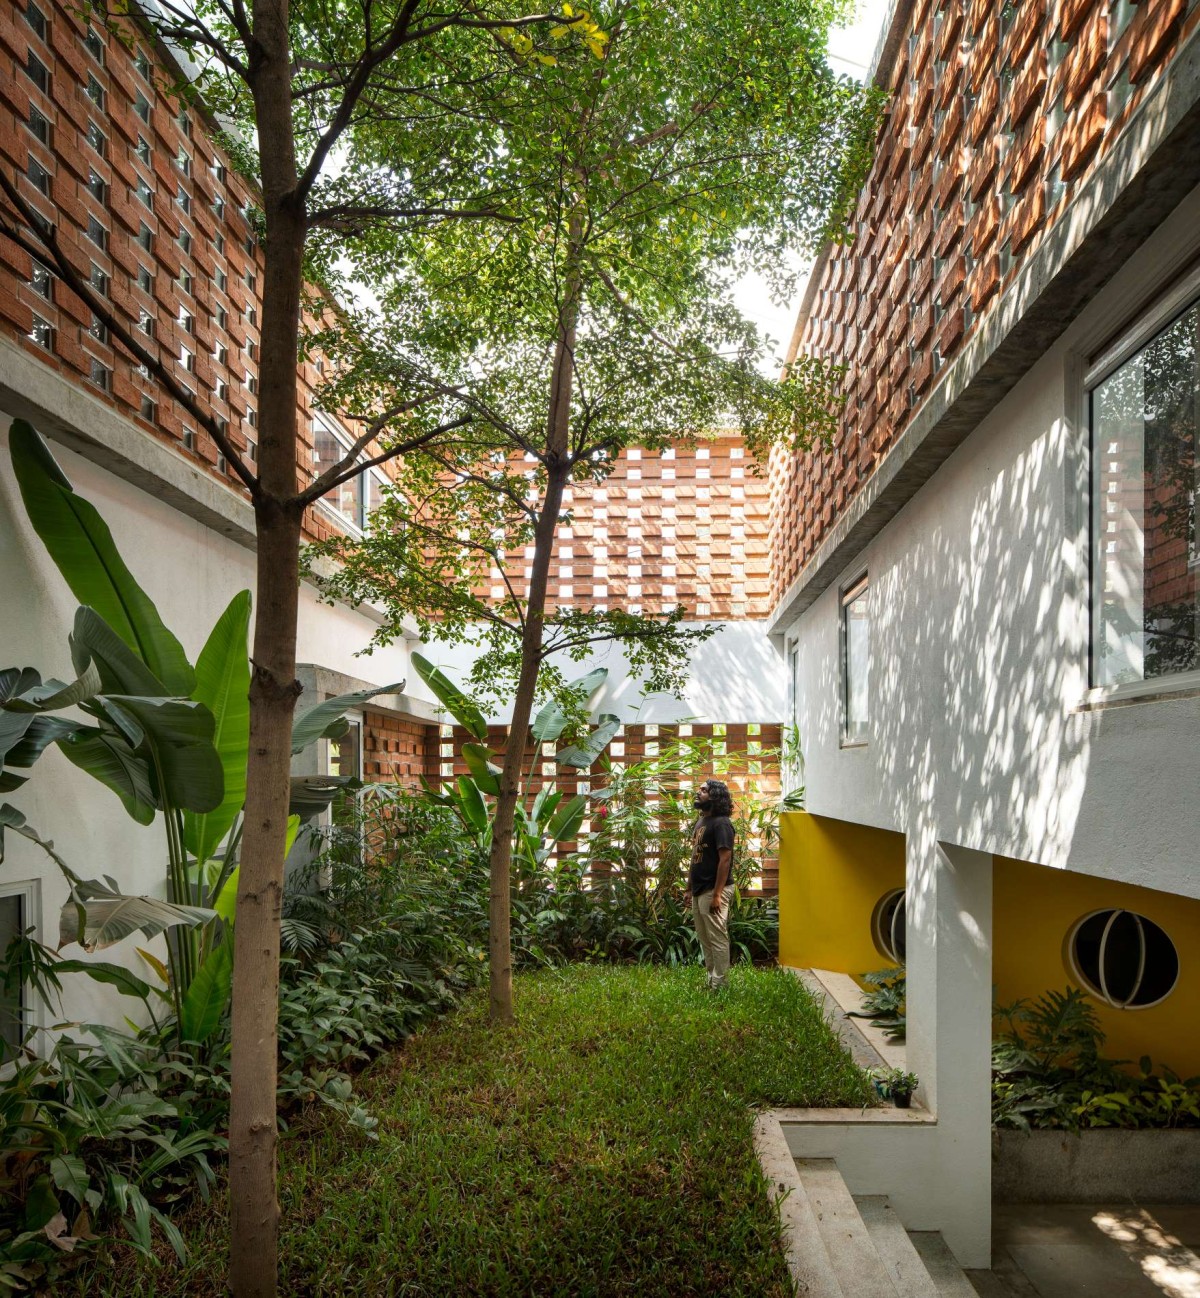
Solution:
(41, 734)
(179, 734)
(471, 805)
(108, 757)
(586, 753)
(322, 719)
(98, 915)
(551, 721)
(208, 994)
(565, 822)
(82, 547)
(311, 794)
(95, 643)
(223, 686)
(483, 770)
(460, 707)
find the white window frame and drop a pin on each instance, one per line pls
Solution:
(1144, 327)
(357, 526)
(32, 1010)
(847, 595)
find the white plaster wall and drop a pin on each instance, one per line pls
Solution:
(191, 573)
(979, 645)
(733, 677)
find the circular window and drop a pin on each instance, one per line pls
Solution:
(888, 926)
(1125, 959)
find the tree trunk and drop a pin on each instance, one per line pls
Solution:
(254, 1208)
(558, 471)
(500, 859)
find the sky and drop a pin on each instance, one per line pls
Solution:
(850, 51)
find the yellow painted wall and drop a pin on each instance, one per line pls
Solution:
(1035, 908)
(833, 872)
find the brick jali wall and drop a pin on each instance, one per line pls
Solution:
(125, 166)
(398, 750)
(754, 763)
(998, 112)
(684, 526)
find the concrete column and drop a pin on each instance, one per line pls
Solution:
(949, 963)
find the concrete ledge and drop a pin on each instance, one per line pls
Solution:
(1096, 1166)
(874, 1117)
(807, 1258)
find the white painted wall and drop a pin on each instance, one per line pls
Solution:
(979, 643)
(734, 677)
(191, 573)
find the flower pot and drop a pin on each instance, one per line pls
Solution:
(902, 1101)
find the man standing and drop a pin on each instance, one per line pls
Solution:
(712, 865)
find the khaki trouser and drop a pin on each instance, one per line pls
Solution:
(713, 935)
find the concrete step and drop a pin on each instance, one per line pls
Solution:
(859, 1269)
(900, 1259)
(808, 1260)
(949, 1280)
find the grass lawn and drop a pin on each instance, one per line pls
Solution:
(602, 1147)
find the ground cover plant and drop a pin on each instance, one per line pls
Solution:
(579, 1153)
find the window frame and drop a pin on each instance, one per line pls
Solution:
(31, 1009)
(359, 524)
(1142, 328)
(848, 593)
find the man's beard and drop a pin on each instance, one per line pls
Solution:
(700, 806)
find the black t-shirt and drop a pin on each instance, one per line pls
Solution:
(711, 836)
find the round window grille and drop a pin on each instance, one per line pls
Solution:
(888, 926)
(1125, 959)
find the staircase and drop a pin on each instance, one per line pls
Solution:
(841, 1245)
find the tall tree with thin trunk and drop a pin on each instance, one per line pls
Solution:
(704, 140)
(356, 120)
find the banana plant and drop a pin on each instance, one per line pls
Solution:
(551, 819)
(166, 737)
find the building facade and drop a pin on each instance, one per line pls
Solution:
(154, 216)
(987, 591)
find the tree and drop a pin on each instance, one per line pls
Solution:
(352, 121)
(700, 141)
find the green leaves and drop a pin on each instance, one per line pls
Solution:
(206, 998)
(99, 915)
(587, 752)
(460, 707)
(223, 686)
(81, 545)
(328, 719)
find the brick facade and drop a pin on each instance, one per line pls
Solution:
(998, 112)
(752, 762)
(398, 750)
(687, 526)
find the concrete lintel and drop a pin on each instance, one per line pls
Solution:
(322, 683)
(1150, 169)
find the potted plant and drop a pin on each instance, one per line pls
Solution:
(900, 1086)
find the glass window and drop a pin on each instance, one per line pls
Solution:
(40, 280)
(97, 233)
(145, 237)
(97, 139)
(143, 149)
(39, 177)
(38, 72)
(99, 280)
(39, 125)
(345, 754)
(142, 63)
(94, 45)
(145, 279)
(1145, 418)
(95, 92)
(145, 194)
(36, 19)
(141, 106)
(97, 186)
(13, 923)
(856, 662)
(41, 333)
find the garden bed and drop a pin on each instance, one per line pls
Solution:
(602, 1146)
